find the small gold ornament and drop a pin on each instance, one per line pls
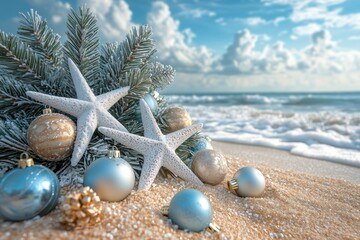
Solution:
(176, 118)
(51, 136)
(210, 166)
(81, 208)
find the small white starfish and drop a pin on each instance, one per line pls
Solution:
(158, 149)
(91, 111)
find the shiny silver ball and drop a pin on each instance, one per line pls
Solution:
(111, 178)
(210, 166)
(248, 182)
(28, 192)
(190, 209)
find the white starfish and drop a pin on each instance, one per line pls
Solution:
(91, 111)
(158, 149)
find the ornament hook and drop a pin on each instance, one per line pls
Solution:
(47, 110)
(114, 152)
(25, 160)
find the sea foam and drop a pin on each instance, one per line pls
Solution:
(313, 126)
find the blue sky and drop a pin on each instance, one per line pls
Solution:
(227, 46)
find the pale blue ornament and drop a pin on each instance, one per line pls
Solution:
(151, 102)
(190, 209)
(201, 144)
(28, 191)
(248, 182)
(112, 178)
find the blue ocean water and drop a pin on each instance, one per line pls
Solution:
(318, 125)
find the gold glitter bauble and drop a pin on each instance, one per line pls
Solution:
(210, 166)
(81, 208)
(51, 136)
(176, 118)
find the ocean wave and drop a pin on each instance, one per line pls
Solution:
(329, 135)
(345, 100)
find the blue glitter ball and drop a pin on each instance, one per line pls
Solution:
(28, 192)
(190, 209)
(151, 102)
(111, 178)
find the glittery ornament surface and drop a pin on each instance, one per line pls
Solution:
(91, 111)
(28, 192)
(210, 166)
(177, 118)
(52, 136)
(158, 149)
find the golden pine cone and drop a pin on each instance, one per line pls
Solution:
(81, 208)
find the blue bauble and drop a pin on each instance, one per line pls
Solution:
(28, 192)
(201, 144)
(190, 209)
(151, 102)
(111, 178)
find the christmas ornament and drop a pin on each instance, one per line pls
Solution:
(28, 191)
(91, 111)
(158, 149)
(201, 144)
(151, 102)
(176, 118)
(81, 208)
(247, 182)
(190, 209)
(210, 166)
(51, 136)
(112, 178)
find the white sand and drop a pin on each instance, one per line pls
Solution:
(295, 205)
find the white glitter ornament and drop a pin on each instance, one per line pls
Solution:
(91, 111)
(158, 149)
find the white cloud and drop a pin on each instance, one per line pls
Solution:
(307, 29)
(114, 17)
(321, 56)
(278, 20)
(220, 21)
(173, 45)
(253, 21)
(56, 9)
(195, 13)
(354, 38)
(319, 10)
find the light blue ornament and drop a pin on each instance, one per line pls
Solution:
(248, 182)
(151, 102)
(201, 144)
(190, 209)
(28, 191)
(112, 178)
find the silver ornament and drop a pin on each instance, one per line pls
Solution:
(210, 166)
(248, 182)
(190, 209)
(28, 191)
(112, 178)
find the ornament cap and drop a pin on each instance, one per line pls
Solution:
(214, 228)
(47, 110)
(165, 210)
(114, 153)
(25, 160)
(233, 185)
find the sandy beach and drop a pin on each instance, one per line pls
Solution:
(304, 199)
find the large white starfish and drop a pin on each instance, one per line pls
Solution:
(158, 149)
(91, 111)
